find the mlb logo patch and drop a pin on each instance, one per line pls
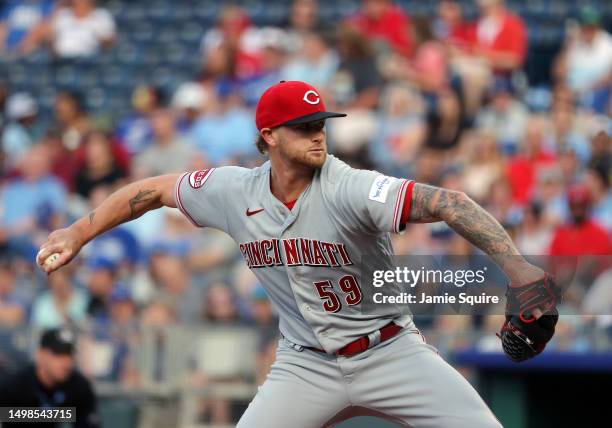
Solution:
(380, 188)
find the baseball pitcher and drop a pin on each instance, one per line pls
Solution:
(302, 221)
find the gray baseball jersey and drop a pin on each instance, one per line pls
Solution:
(308, 257)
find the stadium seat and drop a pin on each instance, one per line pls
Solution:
(139, 54)
(88, 76)
(237, 348)
(160, 11)
(160, 39)
(115, 7)
(142, 32)
(18, 74)
(191, 31)
(38, 57)
(536, 9)
(255, 9)
(134, 12)
(46, 98)
(175, 54)
(67, 76)
(116, 76)
(96, 98)
(206, 10)
(166, 34)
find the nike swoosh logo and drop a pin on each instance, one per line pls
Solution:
(250, 213)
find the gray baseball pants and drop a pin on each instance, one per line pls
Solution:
(402, 379)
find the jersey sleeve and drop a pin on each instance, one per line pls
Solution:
(375, 202)
(201, 196)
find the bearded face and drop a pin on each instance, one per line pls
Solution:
(303, 144)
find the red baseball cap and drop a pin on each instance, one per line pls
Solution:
(290, 103)
(579, 194)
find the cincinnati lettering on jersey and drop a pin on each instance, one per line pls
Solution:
(294, 252)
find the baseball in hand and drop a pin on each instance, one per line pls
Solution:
(52, 258)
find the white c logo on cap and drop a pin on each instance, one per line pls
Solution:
(317, 99)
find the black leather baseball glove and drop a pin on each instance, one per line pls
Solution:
(522, 335)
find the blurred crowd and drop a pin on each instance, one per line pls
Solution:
(440, 99)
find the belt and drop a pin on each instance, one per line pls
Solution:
(365, 342)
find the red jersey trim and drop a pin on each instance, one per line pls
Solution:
(396, 211)
(402, 206)
(407, 205)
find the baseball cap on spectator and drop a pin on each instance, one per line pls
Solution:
(290, 103)
(20, 106)
(118, 245)
(121, 293)
(578, 194)
(274, 38)
(59, 341)
(190, 95)
(102, 263)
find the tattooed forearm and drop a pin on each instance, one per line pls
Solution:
(464, 216)
(141, 196)
(475, 224)
(424, 199)
(125, 204)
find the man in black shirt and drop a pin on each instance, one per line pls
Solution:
(52, 381)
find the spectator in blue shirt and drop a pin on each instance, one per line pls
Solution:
(102, 279)
(32, 203)
(274, 56)
(225, 135)
(22, 129)
(317, 63)
(118, 245)
(135, 132)
(117, 334)
(18, 17)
